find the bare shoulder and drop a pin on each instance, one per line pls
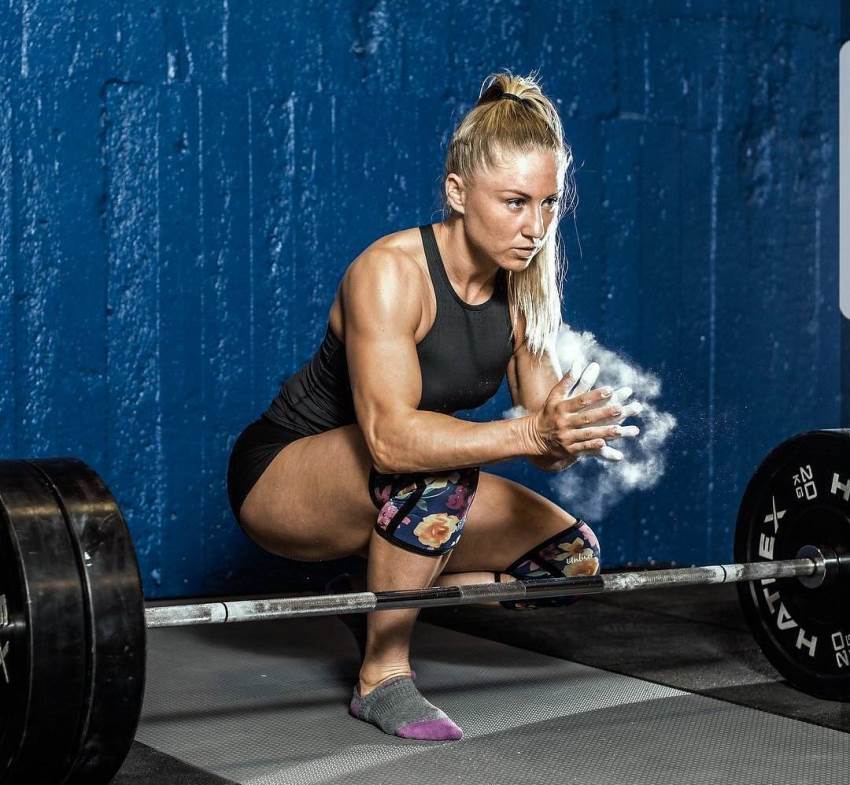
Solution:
(387, 272)
(402, 248)
(390, 260)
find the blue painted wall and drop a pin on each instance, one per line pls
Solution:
(184, 183)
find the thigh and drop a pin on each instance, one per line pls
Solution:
(312, 501)
(505, 521)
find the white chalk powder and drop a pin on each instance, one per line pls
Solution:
(592, 486)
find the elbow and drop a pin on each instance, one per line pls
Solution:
(389, 458)
(387, 446)
(380, 453)
(384, 468)
(382, 459)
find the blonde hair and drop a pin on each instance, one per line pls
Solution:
(495, 126)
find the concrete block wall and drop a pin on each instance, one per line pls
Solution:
(184, 183)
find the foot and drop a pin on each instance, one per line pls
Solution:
(398, 708)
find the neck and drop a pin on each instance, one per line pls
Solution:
(470, 271)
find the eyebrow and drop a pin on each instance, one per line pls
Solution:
(526, 196)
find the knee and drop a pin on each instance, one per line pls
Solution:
(576, 551)
(423, 512)
(570, 553)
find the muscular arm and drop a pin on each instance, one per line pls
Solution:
(382, 302)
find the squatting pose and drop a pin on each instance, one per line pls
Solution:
(360, 454)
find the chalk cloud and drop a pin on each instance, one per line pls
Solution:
(592, 486)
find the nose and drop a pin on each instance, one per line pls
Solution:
(535, 226)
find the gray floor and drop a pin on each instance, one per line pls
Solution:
(267, 703)
(693, 639)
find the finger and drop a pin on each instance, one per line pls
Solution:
(617, 396)
(629, 410)
(576, 370)
(565, 384)
(604, 396)
(606, 432)
(592, 445)
(590, 400)
(604, 415)
(627, 431)
(598, 436)
(606, 453)
(561, 390)
(610, 454)
(587, 379)
(632, 409)
(611, 431)
(622, 393)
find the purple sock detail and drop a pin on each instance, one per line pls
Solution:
(430, 730)
(398, 708)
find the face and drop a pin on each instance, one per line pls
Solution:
(509, 209)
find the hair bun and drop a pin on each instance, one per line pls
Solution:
(493, 92)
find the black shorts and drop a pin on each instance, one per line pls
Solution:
(258, 444)
(254, 450)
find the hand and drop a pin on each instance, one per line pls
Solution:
(575, 420)
(586, 379)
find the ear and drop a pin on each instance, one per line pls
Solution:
(455, 193)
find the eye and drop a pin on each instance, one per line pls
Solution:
(552, 202)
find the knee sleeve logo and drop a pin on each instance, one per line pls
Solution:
(579, 556)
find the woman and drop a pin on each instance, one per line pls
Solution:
(359, 453)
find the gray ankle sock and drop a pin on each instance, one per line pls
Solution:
(397, 707)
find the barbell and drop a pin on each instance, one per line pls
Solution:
(73, 618)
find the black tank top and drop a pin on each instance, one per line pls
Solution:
(463, 359)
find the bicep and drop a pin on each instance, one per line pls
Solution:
(381, 311)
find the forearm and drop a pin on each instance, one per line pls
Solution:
(430, 441)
